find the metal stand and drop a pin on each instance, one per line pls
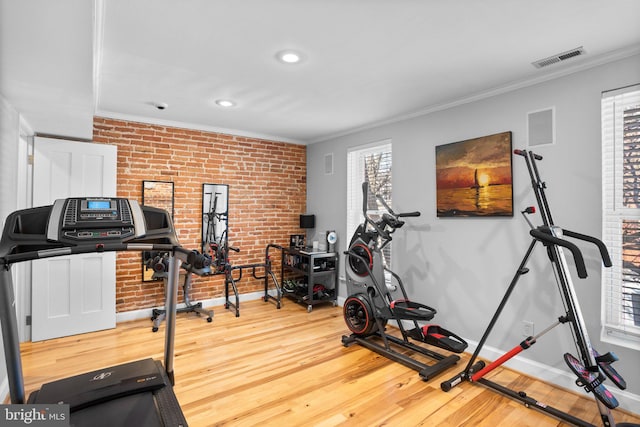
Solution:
(159, 314)
(230, 280)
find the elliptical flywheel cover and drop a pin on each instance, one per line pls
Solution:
(357, 263)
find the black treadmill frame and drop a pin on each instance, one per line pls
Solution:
(156, 234)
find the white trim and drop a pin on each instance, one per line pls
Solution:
(372, 146)
(521, 84)
(146, 313)
(540, 371)
(98, 43)
(612, 336)
(615, 328)
(194, 126)
(555, 376)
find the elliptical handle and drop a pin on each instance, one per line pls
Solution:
(547, 238)
(365, 196)
(416, 213)
(604, 253)
(523, 153)
(391, 212)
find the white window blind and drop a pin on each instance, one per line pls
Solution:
(621, 215)
(372, 164)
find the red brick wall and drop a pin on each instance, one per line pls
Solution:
(267, 193)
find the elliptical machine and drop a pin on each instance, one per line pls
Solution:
(371, 304)
(589, 366)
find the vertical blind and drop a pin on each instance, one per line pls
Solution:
(371, 164)
(621, 212)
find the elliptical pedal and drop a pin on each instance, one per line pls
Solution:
(604, 363)
(591, 381)
(409, 310)
(439, 337)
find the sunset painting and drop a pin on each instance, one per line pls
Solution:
(473, 177)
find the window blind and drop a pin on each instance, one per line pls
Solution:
(621, 213)
(372, 164)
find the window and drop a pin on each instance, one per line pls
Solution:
(372, 164)
(621, 215)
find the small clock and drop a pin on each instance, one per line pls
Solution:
(332, 238)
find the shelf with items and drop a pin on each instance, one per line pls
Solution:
(310, 277)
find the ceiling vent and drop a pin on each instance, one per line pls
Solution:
(559, 57)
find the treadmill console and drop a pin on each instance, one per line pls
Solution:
(89, 218)
(99, 209)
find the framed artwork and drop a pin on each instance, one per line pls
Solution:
(474, 177)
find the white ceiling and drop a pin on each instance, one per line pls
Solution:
(365, 61)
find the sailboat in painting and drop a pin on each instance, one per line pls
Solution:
(475, 185)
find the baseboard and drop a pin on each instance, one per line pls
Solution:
(147, 312)
(560, 378)
(564, 379)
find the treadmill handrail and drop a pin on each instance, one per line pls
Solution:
(85, 249)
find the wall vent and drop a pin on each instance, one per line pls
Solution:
(559, 57)
(541, 127)
(328, 164)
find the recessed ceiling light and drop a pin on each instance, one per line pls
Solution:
(225, 103)
(289, 56)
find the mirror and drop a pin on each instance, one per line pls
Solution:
(215, 216)
(158, 194)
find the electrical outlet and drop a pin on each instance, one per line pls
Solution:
(527, 328)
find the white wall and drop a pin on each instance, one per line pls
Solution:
(462, 266)
(9, 147)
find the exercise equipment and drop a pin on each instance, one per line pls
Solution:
(137, 393)
(371, 305)
(231, 280)
(215, 242)
(216, 248)
(198, 264)
(590, 367)
(204, 265)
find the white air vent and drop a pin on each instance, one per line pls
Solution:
(328, 164)
(559, 57)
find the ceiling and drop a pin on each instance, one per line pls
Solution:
(365, 62)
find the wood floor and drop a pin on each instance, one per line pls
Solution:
(288, 367)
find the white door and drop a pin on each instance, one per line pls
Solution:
(72, 294)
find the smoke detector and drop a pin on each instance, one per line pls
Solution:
(559, 57)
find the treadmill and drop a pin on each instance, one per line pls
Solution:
(138, 393)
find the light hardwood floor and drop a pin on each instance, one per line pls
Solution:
(288, 367)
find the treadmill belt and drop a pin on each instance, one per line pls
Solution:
(98, 386)
(132, 394)
(137, 410)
